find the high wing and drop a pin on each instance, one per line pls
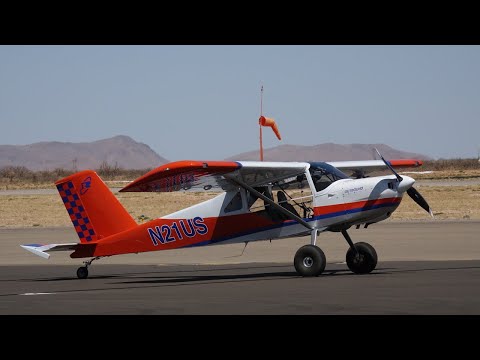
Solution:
(205, 175)
(364, 166)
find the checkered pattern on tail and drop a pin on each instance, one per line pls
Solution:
(77, 212)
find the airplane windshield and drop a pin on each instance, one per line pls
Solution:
(324, 174)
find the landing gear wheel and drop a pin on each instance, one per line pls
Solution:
(82, 272)
(309, 261)
(366, 260)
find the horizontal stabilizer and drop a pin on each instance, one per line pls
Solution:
(41, 250)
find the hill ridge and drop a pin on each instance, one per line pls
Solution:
(121, 150)
(327, 152)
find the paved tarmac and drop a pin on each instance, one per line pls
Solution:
(393, 241)
(418, 287)
(427, 267)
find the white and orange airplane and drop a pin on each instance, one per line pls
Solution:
(258, 201)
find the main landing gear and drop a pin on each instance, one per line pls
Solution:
(310, 260)
(82, 271)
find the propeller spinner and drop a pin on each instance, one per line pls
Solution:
(412, 192)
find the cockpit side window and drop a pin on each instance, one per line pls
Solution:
(235, 203)
(323, 175)
(321, 182)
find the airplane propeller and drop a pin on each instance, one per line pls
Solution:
(412, 192)
(415, 195)
(399, 178)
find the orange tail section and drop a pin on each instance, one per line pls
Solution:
(94, 210)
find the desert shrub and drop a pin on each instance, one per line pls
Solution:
(20, 174)
(451, 164)
(108, 171)
(17, 173)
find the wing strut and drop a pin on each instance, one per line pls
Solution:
(289, 214)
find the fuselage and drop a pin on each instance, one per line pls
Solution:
(344, 203)
(234, 216)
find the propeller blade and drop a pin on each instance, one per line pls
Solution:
(415, 195)
(399, 178)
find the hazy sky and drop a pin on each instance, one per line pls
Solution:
(203, 102)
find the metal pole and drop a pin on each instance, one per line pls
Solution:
(261, 145)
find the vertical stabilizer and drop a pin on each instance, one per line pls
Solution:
(94, 210)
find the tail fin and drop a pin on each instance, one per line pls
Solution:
(94, 210)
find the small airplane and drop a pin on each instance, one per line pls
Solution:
(311, 197)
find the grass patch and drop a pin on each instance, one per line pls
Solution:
(48, 210)
(446, 202)
(456, 202)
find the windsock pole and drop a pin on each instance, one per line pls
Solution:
(260, 123)
(264, 121)
(261, 145)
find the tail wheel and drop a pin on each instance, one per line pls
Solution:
(309, 261)
(364, 261)
(82, 272)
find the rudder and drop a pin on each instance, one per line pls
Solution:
(94, 210)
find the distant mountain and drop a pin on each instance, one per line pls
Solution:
(328, 152)
(121, 150)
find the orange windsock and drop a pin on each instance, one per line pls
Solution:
(264, 121)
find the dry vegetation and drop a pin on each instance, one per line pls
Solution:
(454, 202)
(48, 210)
(447, 202)
(451, 164)
(19, 177)
(453, 169)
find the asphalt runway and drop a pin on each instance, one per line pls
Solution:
(419, 287)
(426, 267)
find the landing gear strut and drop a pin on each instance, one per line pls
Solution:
(361, 257)
(82, 271)
(310, 259)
